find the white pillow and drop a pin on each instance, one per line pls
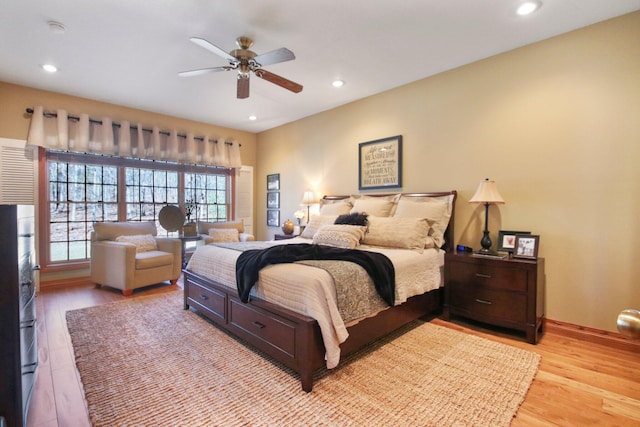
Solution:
(224, 235)
(436, 211)
(143, 242)
(337, 208)
(395, 232)
(339, 235)
(315, 222)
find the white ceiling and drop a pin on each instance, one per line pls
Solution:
(128, 52)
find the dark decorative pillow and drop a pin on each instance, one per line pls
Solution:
(356, 218)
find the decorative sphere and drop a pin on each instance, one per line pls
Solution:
(629, 323)
(287, 227)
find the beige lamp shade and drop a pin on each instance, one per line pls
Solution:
(487, 192)
(308, 198)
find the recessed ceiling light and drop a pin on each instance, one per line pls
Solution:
(50, 68)
(528, 7)
(337, 83)
(252, 117)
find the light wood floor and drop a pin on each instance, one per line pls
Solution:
(578, 383)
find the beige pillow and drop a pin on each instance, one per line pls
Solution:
(339, 235)
(315, 222)
(338, 208)
(224, 235)
(437, 211)
(143, 242)
(395, 232)
(373, 206)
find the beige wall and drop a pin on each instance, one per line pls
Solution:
(556, 124)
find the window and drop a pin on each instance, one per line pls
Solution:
(83, 189)
(209, 192)
(79, 195)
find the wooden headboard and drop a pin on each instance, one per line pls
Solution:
(449, 245)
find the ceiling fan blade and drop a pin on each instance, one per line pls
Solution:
(275, 56)
(278, 80)
(201, 71)
(212, 48)
(243, 87)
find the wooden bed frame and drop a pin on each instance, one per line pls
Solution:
(295, 339)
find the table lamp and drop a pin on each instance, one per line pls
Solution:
(308, 199)
(486, 193)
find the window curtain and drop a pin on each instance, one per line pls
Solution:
(82, 134)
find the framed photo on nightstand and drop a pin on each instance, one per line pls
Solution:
(526, 246)
(507, 240)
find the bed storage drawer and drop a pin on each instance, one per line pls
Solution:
(208, 300)
(272, 330)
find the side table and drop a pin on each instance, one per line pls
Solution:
(501, 292)
(185, 240)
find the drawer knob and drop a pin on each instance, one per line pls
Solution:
(257, 324)
(483, 276)
(482, 301)
(203, 297)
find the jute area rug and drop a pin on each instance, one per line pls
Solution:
(148, 362)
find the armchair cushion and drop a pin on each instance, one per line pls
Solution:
(204, 227)
(143, 242)
(152, 259)
(224, 234)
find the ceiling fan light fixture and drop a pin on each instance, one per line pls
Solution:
(246, 62)
(337, 83)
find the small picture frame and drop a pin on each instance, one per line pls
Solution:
(526, 246)
(507, 240)
(273, 200)
(273, 182)
(273, 218)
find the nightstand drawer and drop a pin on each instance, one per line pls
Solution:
(488, 277)
(483, 303)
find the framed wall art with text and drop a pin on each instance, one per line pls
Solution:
(380, 163)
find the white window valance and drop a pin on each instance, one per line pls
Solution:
(59, 131)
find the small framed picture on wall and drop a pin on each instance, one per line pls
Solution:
(273, 182)
(273, 218)
(273, 200)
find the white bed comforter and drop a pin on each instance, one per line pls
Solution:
(311, 291)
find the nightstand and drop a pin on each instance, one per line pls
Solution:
(505, 292)
(283, 236)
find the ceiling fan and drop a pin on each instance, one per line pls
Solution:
(247, 61)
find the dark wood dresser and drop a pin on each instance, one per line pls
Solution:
(18, 344)
(501, 292)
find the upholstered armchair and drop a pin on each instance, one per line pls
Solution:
(128, 255)
(223, 231)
